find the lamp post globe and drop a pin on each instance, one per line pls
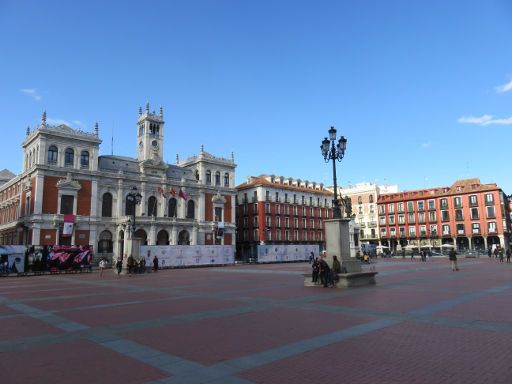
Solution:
(334, 151)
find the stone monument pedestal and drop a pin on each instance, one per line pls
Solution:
(339, 241)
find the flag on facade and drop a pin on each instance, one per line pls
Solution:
(182, 194)
(172, 192)
(69, 223)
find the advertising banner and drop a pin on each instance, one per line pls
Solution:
(12, 258)
(285, 253)
(172, 256)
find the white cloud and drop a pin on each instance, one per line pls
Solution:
(485, 120)
(505, 87)
(426, 144)
(32, 92)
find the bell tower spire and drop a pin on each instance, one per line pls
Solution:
(150, 137)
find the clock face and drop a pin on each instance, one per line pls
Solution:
(154, 143)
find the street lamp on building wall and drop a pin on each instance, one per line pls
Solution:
(332, 151)
(135, 198)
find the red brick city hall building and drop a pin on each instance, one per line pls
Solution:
(468, 215)
(63, 176)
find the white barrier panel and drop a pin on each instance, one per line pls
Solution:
(188, 255)
(283, 253)
(12, 258)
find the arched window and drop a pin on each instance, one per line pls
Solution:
(190, 209)
(208, 177)
(105, 245)
(152, 206)
(371, 198)
(359, 200)
(217, 178)
(106, 206)
(52, 155)
(171, 210)
(197, 174)
(69, 156)
(226, 179)
(84, 160)
(30, 160)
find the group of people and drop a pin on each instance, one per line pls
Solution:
(500, 253)
(133, 265)
(325, 275)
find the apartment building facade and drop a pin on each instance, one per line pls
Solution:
(279, 210)
(468, 215)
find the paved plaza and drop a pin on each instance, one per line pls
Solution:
(421, 323)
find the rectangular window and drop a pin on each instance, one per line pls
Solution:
(412, 231)
(383, 232)
(66, 204)
(474, 214)
(433, 230)
(457, 202)
(491, 226)
(421, 205)
(382, 210)
(382, 220)
(421, 217)
(423, 230)
(278, 221)
(458, 215)
(444, 203)
(391, 208)
(401, 219)
(392, 232)
(432, 216)
(445, 216)
(431, 205)
(475, 228)
(391, 219)
(296, 222)
(446, 229)
(410, 206)
(402, 231)
(278, 209)
(491, 212)
(460, 229)
(473, 200)
(267, 221)
(411, 219)
(489, 199)
(400, 207)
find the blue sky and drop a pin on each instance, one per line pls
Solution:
(421, 90)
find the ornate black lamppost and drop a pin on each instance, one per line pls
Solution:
(135, 198)
(332, 151)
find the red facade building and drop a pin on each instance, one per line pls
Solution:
(468, 215)
(278, 210)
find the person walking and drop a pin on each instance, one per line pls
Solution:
(501, 252)
(489, 252)
(103, 264)
(509, 253)
(311, 257)
(130, 263)
(316, 271)
(453, 258)
(119, 265)
(155, 263)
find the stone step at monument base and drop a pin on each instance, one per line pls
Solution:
(346, 280)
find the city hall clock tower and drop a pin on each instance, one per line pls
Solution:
(150, 137)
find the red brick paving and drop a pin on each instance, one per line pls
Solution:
(243, 334)
(74, 362)
(409, 352)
